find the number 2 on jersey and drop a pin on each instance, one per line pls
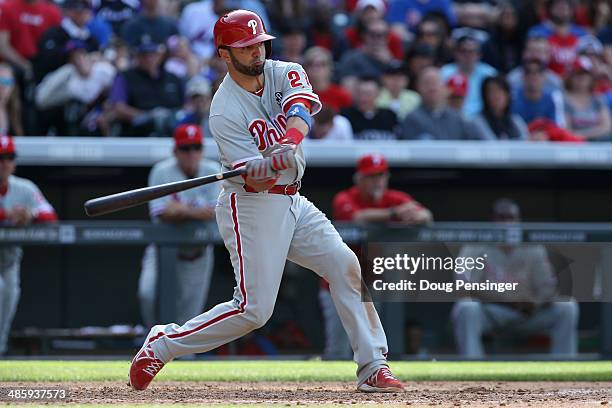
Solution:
(295, 80)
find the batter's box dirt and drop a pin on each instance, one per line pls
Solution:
(442, 393)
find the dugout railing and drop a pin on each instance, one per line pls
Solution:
(168, 238)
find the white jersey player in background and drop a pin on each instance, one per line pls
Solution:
(195, 263)
(21, 204)
(259, 116)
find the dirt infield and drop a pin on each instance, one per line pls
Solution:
(452, 394)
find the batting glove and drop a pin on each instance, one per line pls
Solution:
(260, 169)
(283, 158)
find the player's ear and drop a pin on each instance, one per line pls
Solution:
(224, 54)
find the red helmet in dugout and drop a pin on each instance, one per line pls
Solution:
(241, 28)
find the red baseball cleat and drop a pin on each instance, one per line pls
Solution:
(144, 367)
(381, 381)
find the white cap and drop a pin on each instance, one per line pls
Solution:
(198, 86)
(377, 4)
(589, 43)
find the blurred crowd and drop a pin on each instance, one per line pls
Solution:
(384, 70)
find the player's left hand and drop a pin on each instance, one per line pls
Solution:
(282, 147)
(283, 158)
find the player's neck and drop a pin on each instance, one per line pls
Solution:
(250, 83)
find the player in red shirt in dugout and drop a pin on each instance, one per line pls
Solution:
(369, 200)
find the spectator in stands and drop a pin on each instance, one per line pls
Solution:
(365, 13)
(405, 15)
(118, 54)
(536, 47)
(561, 32)
(196, 24)
(505, 44)
(533, 308)
(150, 22)
(369, 201)
(318, 64)
(328, 126)
(10, 103)
(419, 57)
(181, 61)
(434, 120)
(456, 86)
(605, 35)
(589, 46)
(475, 13)
(430, 31)
(145, 98)
(22, 24)
(531, 13)
(52, 48)
(194, 263)
(368, 121)
(215, 72)
(67, 95)
(586, 113)
(292, 12)
(21, 204)
(293, 42)
(531, 101)
(101, 30)
(545, 130)
(467, 62)
(369, 60)
(496, 121)
(324, 32)
(394, 94)
(594, 15)
(198, 19)
(199, 96)
(116, 12)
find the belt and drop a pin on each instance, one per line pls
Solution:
(287, 189)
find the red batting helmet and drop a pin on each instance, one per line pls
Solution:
(241, 28)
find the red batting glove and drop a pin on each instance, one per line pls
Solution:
(293, 136)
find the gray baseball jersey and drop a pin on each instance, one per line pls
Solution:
(248, 130)
(168, 171)
(194, 265)
(262, 230)
(20, 193)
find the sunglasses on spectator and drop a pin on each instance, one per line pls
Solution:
(7, 156)
(6, 81)
(533, 71)
(429, 33)
(318, 63)
(191, 147)
(378, 34)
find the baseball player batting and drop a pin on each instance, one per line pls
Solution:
(258, 117)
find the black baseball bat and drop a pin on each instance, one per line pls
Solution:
(132, 198)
